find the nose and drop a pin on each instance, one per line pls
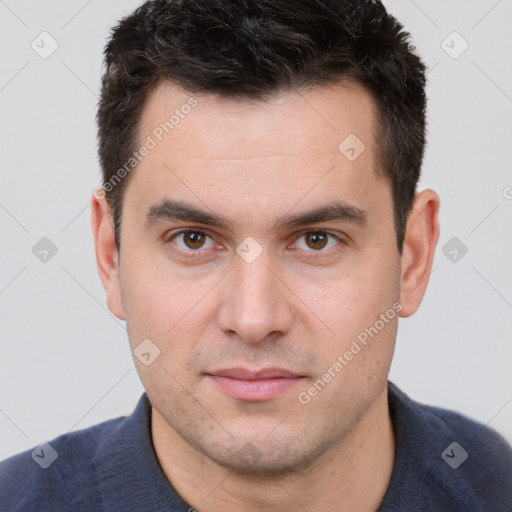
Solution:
(256, 304)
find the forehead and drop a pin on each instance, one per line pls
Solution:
(322, 117)
(295, 143)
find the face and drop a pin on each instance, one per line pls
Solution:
(256, 253)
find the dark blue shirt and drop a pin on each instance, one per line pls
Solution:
(444, 462)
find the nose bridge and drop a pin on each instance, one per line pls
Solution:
(253, 280)
(255, 304)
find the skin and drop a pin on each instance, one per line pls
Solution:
(298, 306)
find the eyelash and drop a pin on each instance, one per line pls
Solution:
(198, 253)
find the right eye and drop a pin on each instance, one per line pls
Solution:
(191, 240)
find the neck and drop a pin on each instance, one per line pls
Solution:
(354, 475)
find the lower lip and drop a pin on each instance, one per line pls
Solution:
(255, 390)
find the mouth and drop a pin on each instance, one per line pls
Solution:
(255, 385)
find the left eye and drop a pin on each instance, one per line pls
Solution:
(317, 240)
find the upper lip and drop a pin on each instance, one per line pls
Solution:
(264, 373)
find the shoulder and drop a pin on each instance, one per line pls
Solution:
(463, 462)
(56, 475)
(437, 426)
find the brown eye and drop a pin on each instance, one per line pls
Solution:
(316, 239)
(194, 239)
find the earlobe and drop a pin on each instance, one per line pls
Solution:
(107, 258)
(421, 238)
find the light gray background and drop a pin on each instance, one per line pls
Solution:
(64, 360)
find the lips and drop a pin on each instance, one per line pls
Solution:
(254, 385)
(266, 373)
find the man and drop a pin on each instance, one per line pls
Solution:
(260, 232)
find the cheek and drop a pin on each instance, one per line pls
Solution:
(358, 354)
(353, 297)
(150, 306)
(165, 308)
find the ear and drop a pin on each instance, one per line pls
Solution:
(421, 236)
(106, 251)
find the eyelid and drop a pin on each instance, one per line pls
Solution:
(182, 231)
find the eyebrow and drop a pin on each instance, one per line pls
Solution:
(339, 211)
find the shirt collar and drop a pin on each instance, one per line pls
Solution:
(129, 475)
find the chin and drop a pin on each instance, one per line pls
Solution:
(264, 458)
